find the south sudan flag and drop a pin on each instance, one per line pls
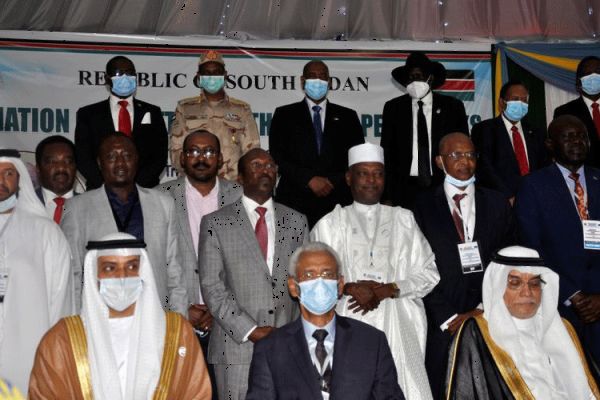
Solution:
(460, 83)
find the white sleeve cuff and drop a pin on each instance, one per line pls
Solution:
(446, 323)
(249, 333)
(568, 301)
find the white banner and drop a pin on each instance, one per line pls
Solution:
(43, 80)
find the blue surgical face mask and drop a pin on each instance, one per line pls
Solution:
(457, 182)
(590, 84)
(120, 293)
(8, 203)
(316, 89)
(123, 85)
(516, 110)
(319, 295)
(212, 83)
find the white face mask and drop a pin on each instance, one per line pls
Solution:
(455, 181)
(417, 89)
(120, 293)
(8, 203)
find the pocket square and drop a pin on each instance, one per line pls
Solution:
(146, 119)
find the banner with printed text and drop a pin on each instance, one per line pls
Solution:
(44, 82)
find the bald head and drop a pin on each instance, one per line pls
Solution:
(457, 156)
(451, 140)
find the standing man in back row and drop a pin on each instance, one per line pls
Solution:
(229, 119)
(413, 125)
(309, 140)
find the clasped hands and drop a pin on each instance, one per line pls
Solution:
(587, 307)
(366, 295)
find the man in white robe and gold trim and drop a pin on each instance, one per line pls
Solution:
(388, 264)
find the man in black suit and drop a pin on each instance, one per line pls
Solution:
(460, 221)
(413, 125)
(56, 170)
(321, 354)
(587, 106)
(141, 121)
(309, 140)
(509, 147)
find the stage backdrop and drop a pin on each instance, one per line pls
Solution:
(45, 78)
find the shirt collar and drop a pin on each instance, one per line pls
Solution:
(311, 104)
(589, 102)
(113, 196)
(309, 328)
(114, 100)
(451, 190)
(250, 205)
(50, 195)
(508, 124)
(566, 172)
(427, 99)
(224, 100)
(365, 208)
(190, 187)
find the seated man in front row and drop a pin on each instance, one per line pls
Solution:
(124, 345)
(519, 348)
(321, 355)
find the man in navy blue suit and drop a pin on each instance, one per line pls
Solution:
(554, 206)
(321, 355)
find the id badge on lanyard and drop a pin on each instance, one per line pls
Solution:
(470, 258)
(591, 234)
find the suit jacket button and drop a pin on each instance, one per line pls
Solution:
(196, 271)
(271, 311)
(273, 284)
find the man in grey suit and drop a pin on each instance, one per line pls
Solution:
(122, 206)
(197, 193)
(243, 258)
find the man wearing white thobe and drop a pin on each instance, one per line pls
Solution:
(35, 278)
(387, 263)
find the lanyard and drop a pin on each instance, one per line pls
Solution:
(373, 240)
(465, 222)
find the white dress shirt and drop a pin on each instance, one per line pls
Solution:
(328, 342)
(49, 197)
(120, 331)
(323, 106)
(427, 110)
(115, 108)
(589, 103)
(571, 183)
(509, 126)
(467, 207)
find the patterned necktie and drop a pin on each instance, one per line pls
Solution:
(596, 117)
(260, 230)
(60, 202)
(423, 147)
(321, 353)
(124, 118)
(317, 127)
(458, 222)
(579, 197)
(520, 151)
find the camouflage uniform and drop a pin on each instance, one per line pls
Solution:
(231, 120)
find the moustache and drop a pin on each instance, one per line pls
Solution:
(200, 164)
(61, 173)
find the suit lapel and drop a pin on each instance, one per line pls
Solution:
(506, 147)
(444, 212)
(480, 212)
(299, 349)
(181, 211)
(341, 356)
(248, 236)
(138, 114)
(592, 183)
(105, 118)
(563, 194)
(102, 207)
(583, 110)
(279, 271)
(307, 121)
(530, 143)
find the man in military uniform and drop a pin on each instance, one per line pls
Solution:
(231, 120)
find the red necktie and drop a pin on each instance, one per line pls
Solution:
(520, 151)
(581, 206)
(458, 222)
(260, 230)
(596, 117)
(124, 119)
(60, 202)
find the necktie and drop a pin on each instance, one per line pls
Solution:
(596, 117)
(321, 353)
(317, 127)
(458, 222)
(520, 151)
(579, 197)
(124, 119)
(60, 202)
(260, 230)
(423, 147)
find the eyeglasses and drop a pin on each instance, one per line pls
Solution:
(209, 152)
(257, 166)
(308, 275)
(535, 284)
(457, 155)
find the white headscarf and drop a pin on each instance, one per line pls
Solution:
(27, 199)
(540, 346)
(147, 334)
